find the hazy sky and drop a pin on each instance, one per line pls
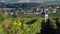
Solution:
(27, 0)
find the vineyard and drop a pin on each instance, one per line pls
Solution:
(29, 26)
(18, 25)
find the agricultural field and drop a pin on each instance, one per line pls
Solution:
(31, 25)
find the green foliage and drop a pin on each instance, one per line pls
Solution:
(19, 25)
(3, 16)
(53, 23)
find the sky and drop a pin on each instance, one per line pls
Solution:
(12, 1)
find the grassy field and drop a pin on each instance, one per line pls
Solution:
(39, 15)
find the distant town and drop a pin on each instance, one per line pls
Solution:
(28, 8)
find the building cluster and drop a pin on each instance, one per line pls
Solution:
(36, 10)
(29, 11)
